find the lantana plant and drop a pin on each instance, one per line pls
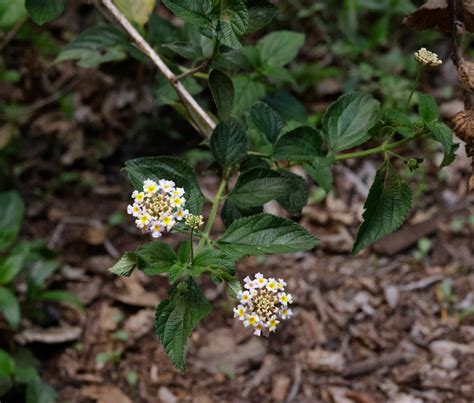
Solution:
(258, 134)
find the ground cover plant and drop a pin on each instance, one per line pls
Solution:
(258, 133)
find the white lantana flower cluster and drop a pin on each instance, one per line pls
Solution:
(263, 304)
(158, 207)
(427, 58)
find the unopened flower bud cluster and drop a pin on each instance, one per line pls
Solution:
(158, 207)
(263, 304)
(194, 221)
(427, 58)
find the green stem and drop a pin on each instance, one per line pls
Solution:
(374, 150)
(415, 86)
(192, 246)
(212, 215)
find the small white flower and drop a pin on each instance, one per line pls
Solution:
(273, 323)
(240, 312)
(178, 192)
(285, 299)
(166, 186)
(177, 201)
(260, 329)
(251, 320)
(143, 220)
(245, 297)
(281, 284)
(157, 229)
(133, 209)
(139, 197)
(285, 313)
(260, 280)
(180, 214)
(150, 187)
(272, 285)
(168, 221)
(427, 58)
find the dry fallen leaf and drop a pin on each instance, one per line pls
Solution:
(435, 14)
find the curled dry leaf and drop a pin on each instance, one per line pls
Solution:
(463, 124)
(435, 14)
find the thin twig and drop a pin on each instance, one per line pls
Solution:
(200, 117)
(190, 72)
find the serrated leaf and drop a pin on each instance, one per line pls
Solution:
(301, 144)
(229, 143)
(289, 108)
(176, 318)
(319, 168)
(265, 234)
(279, 48)
(95, 46)
(230, 59)
(230, 212)
(9, 307)
(12, 210)
(247, 92)
(125, 265)
(233, 23)
(387, 206)
(266, 120)
(11, 12)
(222, 90)
(427, 108)
(42, 11)
(395, 120)
(188, 50)
(297, 198)
(347, 121)
(259, 186)
(155, 258)
(194, 12)
(260, 15)
(444, 135)
(138, 11)
(169, 168)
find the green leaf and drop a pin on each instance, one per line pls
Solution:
(265, 234)
(444, 135)
(187, 50)
(194, 12)
(319, 168)
(294, 200)
(230, 59)
(138, 11)
(176, 318)
(233, 23)
(11, 12)
(155, 258)
(97, 45)
(11, 266)
(258, 186)
(266, 120)
(386, 207)
(26, 366)
(289, 108)
(229, 143)
(42, 11)
(126, 265)
(280, 48)
(184, 251)
(7, 364)
(300, 144)
(247, 92)
(60, 296)
(12, 210)
(169, 168)
(260, 15)
(38, 391)
(222, 90)
(347, 121)
(427, 108)
(230, 212)
(9, 307)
